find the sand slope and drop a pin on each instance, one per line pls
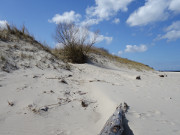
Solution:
(154, 101)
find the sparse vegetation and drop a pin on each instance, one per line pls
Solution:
(6, 34)
(67, 67)
(2, 58)
(25, 56)
(129, 63)
(12, 33)
(103, 52)
(76, 42)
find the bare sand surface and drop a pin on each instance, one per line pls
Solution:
(39, 96)
(154, 101)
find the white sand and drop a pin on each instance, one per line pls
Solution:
(154, 101)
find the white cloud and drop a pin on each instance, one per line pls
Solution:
(116, 20)
(101, 38)
(120, 53)
(171, 35)
(174, 26)
(152, 11)
(172, 32)
(3, 24)
(104, 9)
(66, 17)
(175, 6)
(135, 48)
(89, 22)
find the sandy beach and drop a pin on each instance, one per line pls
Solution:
(154, 101)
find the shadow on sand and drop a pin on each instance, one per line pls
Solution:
(127, 130)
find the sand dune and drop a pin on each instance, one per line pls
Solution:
(47, 99)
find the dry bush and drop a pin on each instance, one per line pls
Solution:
(76, 41)
(75, 54)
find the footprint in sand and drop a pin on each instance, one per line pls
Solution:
(22, 88)
(135, 114)
(147, 114)
(176, 131)
(166, 122)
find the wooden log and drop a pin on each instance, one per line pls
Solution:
(114, 125)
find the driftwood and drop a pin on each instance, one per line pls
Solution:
(114, 125)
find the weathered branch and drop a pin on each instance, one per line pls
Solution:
(114, 125)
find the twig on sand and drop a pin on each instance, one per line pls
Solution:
(63, 81)
(10, 103)
(54, 78)
(84, 104)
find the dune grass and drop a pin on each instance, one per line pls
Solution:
(14, 34)
(129, 63)
(6, 34)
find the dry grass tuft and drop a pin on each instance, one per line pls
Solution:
(4, 35)
(12, 33)
(2, 58)
(72, 53)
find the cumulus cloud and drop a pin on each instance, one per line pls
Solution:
(104, 9)
(116, 20)
(3, 24)
(135, 48)
(66, 17)
(172, 32)
(174, 6)
(101, 38)
(152, 11)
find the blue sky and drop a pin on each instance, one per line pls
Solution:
(146, 31)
